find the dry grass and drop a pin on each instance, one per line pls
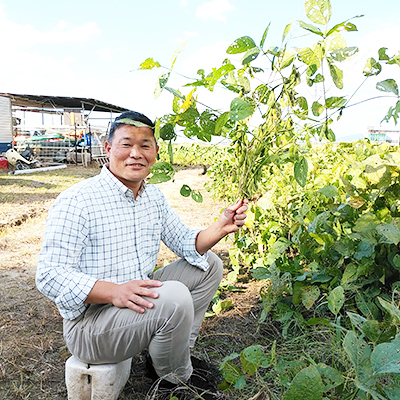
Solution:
(32, 351)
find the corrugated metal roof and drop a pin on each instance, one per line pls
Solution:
(58, 102)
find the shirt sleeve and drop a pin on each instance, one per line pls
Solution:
(181, 239)
(58, 274)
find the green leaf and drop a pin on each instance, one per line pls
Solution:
(185, 191)
(336, 300)
(337, 75)
(317, 108)
(286, 31)
(250, 55)
(329, 191)
(359, 354)
(301, 171)
(385, 358)
(197, 197)
(318, 11)
(309, 295)
(167, 132)
(347, 26)
(221, 121)
(230, 372)
(382, 54)
(149, 63)
(241, 45)
(177, 52)
(221, 306)
(311, 28)
(264, 36)
(252, 358)
(390, 231)
(162, 81)
(240, 109)
(392, 309)
(372, 67)
(332, 377)
(307, 384)
(161, 172)
(335, 102)
(388, 85)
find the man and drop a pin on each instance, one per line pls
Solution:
(99, 251)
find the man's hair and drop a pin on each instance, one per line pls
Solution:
(129, 118)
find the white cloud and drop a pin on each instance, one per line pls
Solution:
(190, 34)
(214, 9)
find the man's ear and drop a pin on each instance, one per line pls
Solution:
(107, 147)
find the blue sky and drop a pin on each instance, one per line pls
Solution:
(91, 48)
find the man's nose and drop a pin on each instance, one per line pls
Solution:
(135, 152)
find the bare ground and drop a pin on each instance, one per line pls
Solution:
(32, 351)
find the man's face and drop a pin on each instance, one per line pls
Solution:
(131, 153)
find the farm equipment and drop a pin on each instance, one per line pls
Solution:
(25, 160)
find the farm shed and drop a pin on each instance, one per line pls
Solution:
(72, 118)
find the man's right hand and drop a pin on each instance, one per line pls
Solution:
(126, 295)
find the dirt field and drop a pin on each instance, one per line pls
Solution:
(32, 351)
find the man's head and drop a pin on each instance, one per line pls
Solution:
(131, 148)
(129, 118)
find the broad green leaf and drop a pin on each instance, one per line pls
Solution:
(337, 75)
(350, 273)
(382, 54)
(176, 93)
(329, 191)
(252, 358)
(241, 45)
(240, 109)
(335, 102)
(264, 36)
(250, 55)
(359, 354)
(161, 172)
(390, 231)
(392, 309)
(356, 201)
(221, 121)
(307, 384)
(332, 377)
(319, 321)
(347, 26)
(185, 191)
(167, 132)
(336, 300)
(385, 358)
(149, 63)
(388, 85)
(277, 249)
(372, 67)
(311, 28)
(301, 171)
(221, 306)
(343, 54)
(230, 372)
(318, 11)
(372, 330)
(197, 196)
(309, 295)
(366, 306)
(393, 112)
(317, 109)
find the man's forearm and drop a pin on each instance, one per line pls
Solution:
(101, 293)
(209, 237)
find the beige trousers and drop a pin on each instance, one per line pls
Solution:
(107, 334)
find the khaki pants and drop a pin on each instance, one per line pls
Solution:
(107, 334)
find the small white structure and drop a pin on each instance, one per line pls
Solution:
(6, 124)
(384, 135)
(95, 382)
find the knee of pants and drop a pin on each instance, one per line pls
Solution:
(176, 302)
(216, 266)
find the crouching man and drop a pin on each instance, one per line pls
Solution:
(99, 251)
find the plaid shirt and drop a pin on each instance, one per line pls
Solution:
(96, 230)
